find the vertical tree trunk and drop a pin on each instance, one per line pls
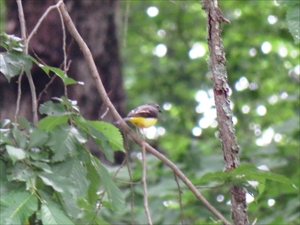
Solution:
(222, 101)
(96, 22)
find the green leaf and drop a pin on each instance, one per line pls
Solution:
(60, 73)
(7, 186)
(73, 170)
(12, 63)
(20, 138)
(23, 173)
(115, 196)
(102, 142)
(37, 138)
(57, 182)
(23, 123)
(49, 122)
(44, 166)
(293, 18)
(67, 80)
(53, 109)
(16, 154)
(70, 105)
(94, 185)
(94, 130)
(4, 137)
(17, 207)
(63, 141)
(11, 42)
(287, 2)
(53, 215)
(219, 176)
(110, 132)
(40, 154)
(250, 172)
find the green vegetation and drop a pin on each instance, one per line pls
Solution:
(47, 169)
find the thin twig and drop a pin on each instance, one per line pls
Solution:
(255, 221)
(126, 16)
(19, 95)
(22, 23)
(33, 97)
(144, 181)
(23, 33)
(123, 126)
(126, 146)
(180, 199)
(46, 87)
(64, 50)
(104, 113)
(28, 73)
(209, 187)
(49, 9)
(128, 183)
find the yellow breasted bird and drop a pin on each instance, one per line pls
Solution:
(144, 116)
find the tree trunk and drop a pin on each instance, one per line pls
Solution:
(96, 22)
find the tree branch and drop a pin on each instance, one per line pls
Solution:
(123, 126)
(36, 27)
(28, 73)
(180, 199)
(144, 181)
(222, 101)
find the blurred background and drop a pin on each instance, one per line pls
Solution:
(156, 51)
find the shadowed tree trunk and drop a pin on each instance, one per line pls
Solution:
(97, 23)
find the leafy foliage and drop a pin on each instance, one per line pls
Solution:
(292, 17)
(47, 173)
(48, 176)
(13, 61)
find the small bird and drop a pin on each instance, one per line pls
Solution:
(144, 116)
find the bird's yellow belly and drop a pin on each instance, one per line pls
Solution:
(142, 122)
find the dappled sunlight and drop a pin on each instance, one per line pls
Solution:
(261, 110)
(152, 11)
(242, 84)
(198, 50)
(160, 50)
(196, 131)
(266, 47)
(272, 19)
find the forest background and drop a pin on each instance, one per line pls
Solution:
(160, 55)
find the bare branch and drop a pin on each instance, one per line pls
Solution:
(49, 9)
(144, 181)
(125, 24)
(217, 66)
(22, 22)
(180, 199)
(126, 146)
(46, 87)
(65, 66)
(28, 73)
(19, 94)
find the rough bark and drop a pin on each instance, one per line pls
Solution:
(96, 21)
(217, 64)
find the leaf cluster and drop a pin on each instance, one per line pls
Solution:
(47, 174)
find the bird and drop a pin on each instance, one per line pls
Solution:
(144, 116)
